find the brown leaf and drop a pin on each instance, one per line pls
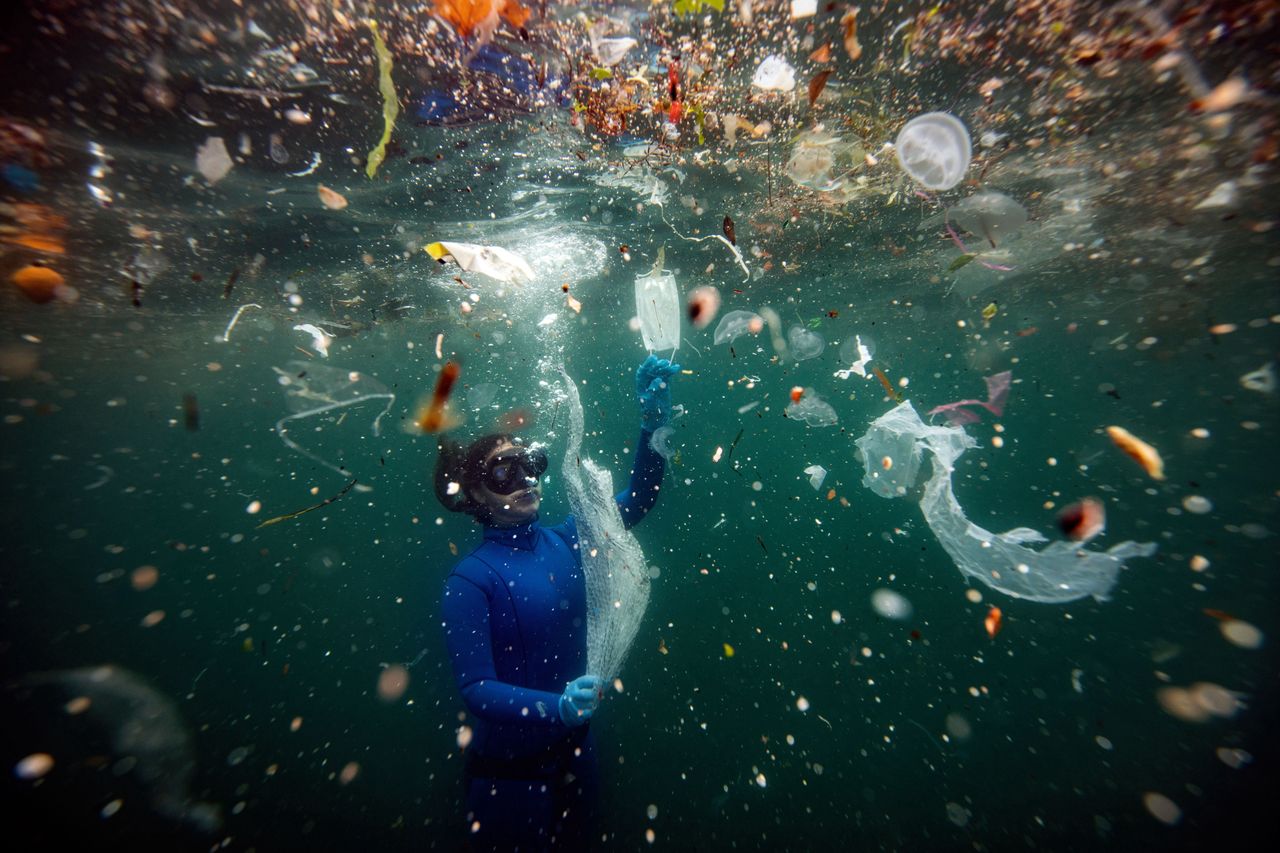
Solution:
(728, 231)
(822, 54)
(817, 84)
(851, 44)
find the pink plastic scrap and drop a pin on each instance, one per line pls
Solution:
(997, 394)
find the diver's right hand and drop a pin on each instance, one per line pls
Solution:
(580, 699)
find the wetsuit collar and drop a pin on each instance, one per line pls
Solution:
(522, 536)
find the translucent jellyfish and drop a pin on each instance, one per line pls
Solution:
(738, 323)
(822, 161)
(991, 215)
(1263, 379)
(813, 410)
(661, 442)
(890, 604)
(934, 149)
(108, 711)
(805, 343)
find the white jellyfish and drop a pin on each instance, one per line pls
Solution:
(935, 150)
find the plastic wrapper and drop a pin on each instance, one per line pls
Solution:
(891, 452)
(493, 261)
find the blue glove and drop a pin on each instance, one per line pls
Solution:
(580, 699)
(653, 389)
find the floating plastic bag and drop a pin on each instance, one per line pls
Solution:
(658, 307)
(816, 475)
(997, 396)
(492, 261)
(774, 74)
(891, 452)
(813, 410)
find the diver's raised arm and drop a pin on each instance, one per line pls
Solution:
(653, 392)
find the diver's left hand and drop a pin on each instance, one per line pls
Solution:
(653, 390)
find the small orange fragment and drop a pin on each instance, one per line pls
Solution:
(994, 622)
(1138, 450)
(831, 495)
(39, 284)
(796, 393)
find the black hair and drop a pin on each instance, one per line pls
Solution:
(464, 467)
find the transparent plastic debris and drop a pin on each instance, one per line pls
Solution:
(658, 307)
(813, 410)
(991, 215)
(617, 575)
(1262, 380)
(1223, 196)
(212, 159)
(935, 150)
(822, 161)
(997, 396)
(319, 391)
(805, 343)
(803, 9)
(493, 261)
(148, 744)
(320, 339)
(774, 74)
(859, 354)
(610, 51)
(816, 475)
(735, 324)
(1060, 572)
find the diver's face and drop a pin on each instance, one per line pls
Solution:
(520, 506)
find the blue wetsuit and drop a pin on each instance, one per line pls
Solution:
(515, 621)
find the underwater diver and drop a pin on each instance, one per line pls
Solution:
(515, 620)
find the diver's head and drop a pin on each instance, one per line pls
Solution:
(495, 479)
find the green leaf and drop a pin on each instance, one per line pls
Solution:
(601, 74)
(961, 261)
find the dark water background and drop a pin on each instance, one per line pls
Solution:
(298, 619)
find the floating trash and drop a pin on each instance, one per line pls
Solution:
(1060, 572)
(813, 410)
(774, 74)
(658, 307)
(816, 475)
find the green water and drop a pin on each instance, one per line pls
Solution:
(827, 724)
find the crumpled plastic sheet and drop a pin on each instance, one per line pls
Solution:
(1061, 572)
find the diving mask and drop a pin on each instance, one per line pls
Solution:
(515, 469)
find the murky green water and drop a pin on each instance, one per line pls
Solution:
(765, 704)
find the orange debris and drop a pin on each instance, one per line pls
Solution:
(39, 284)
(994, 622)
(1138, 450)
